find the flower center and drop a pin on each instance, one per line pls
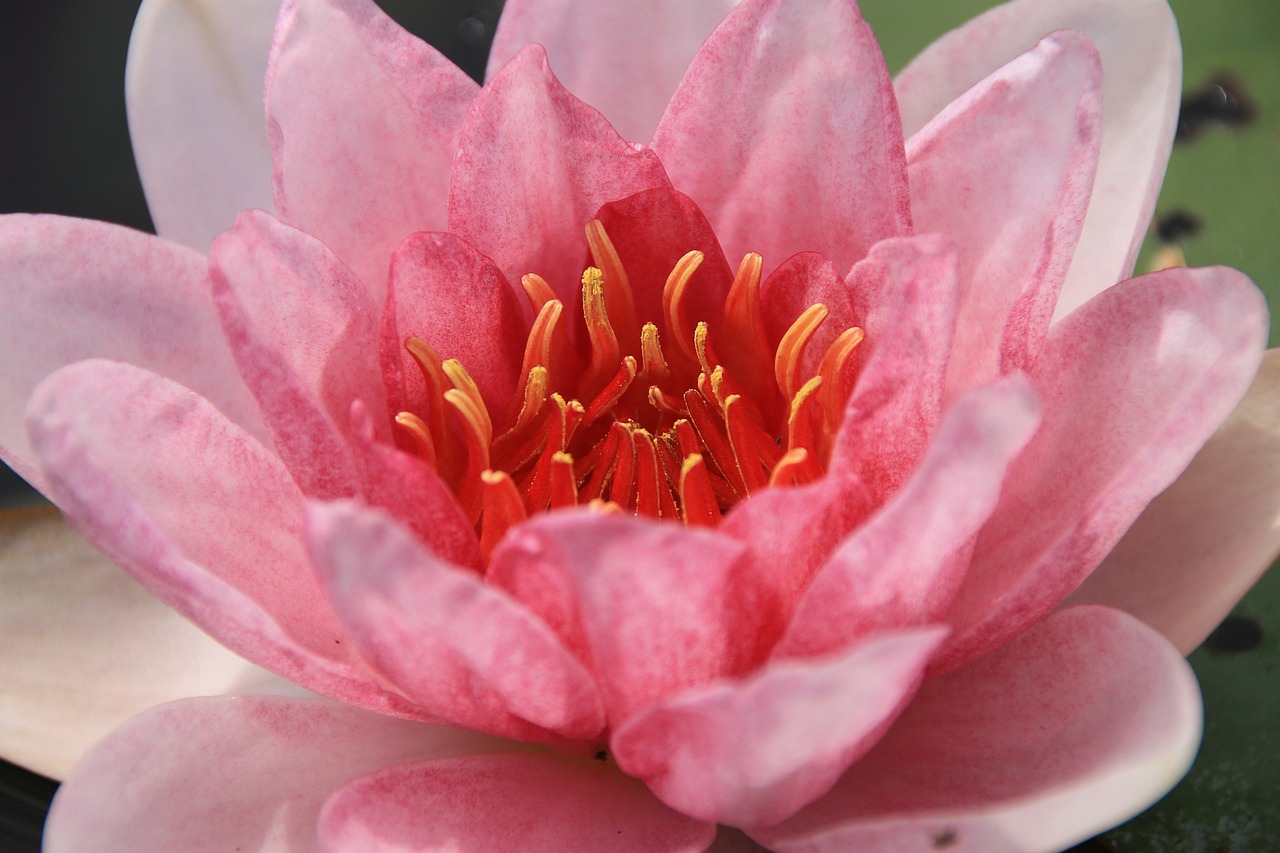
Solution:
(643, 418)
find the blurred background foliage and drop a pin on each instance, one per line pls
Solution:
(66, 141)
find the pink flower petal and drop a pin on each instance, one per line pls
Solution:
(754, 752)
(63, 686)
(509, 801)
(223, 773)
(1142, 58)
(786, 133)
(1069, 730)
(76, 289)
(651, 231)
(904, 296)
(533, 166)
(193, 87)
(904, 566)
(446, 292)
(412, 492)
(1199, 546)
(1006, 170)
(198, 512)
(1151, 366)
(623, 58)
(653, 607)
(304, 332)
(462, 650)
(364, 122)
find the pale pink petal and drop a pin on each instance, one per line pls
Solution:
(193, 86)
(462, 650)
(1069, 730)
(623, 58)
(1142, 79)
(1200, 545)
(1006, 170)
(224, 773)
(412, 492)
(1133, 384)
(447, 293)
(904, 297)
(305, 335)
(86, 648)
(653, 607)
(510, 801)
(199, 513)
(364, 122)
(786, 133)
(534, 164)
(76, 289)
(902, 568)
(752, 753)
(651, 231)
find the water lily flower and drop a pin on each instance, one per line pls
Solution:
(725, 488)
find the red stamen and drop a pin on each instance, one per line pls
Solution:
(503, 508)
(697, 499)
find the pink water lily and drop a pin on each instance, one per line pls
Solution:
(726, 488)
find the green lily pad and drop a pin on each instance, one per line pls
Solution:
(1225, 180)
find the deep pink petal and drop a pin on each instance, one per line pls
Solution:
(1134, 382)
(509, 801)
(904, 297)
(902, 568)
(75, 289)
(462, 650)
(193, 86)
(785, 131)
(1199, 546)
(224, 773)
(453, 297)
(1142, 83)
(1069, 730)
(364, 121)
(85, 647)
(653, 607)
(625, 59)
(651, 231)
(1007, 170)
(304, 332)
(534, 164)
(752, 753)
(412, 492)
(199, 513)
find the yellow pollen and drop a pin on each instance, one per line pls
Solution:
(633, 414)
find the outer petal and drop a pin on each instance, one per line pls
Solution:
(652, 608)
(1202, 543)
(464, 651)
(304, 332)
(623, 58)
(199, 513)
(902, 568)
(1138, 42)
(508, 801)
(754, 752)
(1072, 728)
(1152, 366)
(218, 774)
(62, 687)
(75, 289)
(364, 121)
(193, 86)
(534, 164)
(786, 133)
(1006, 170)
(446, 292)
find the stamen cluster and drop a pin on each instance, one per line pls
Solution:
(630, 425)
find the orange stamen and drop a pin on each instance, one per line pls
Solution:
(791, 349)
